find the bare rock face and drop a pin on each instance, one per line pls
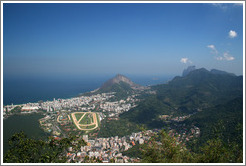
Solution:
(188, 70)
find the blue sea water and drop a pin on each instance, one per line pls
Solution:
(19, 90)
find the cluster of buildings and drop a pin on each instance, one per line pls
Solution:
(97, 102)
(48, 124)
(184, 134)
(117, 107)
(8, 110)
(108, 149)
(180, 118)
(79, 103)
(82, 103)
(111, 149)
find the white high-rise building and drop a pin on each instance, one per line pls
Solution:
(85, 138)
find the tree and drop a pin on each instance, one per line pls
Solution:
(166, 150)
(26, 150)
(215, 152)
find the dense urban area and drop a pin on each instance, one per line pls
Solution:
(58, 121)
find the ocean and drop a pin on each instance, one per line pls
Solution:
(20, 90)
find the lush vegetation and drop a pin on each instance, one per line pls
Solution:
(122, 89)
(86, 119)
(119, 127)
(227, 119)
(147, 112)
(200, 89)
(163, 148)
(135, 151)
(217, 101)
(26, 150)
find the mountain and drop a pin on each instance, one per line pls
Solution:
(188, 70)
(227, 118)
(119, 79)
(199, 90)
(215, 71)
(120, 84)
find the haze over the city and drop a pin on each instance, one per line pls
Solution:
(75, 39)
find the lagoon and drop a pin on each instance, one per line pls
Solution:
(27, 123)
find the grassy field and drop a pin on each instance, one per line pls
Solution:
(98, 120)
(78, 116)
(87, 119)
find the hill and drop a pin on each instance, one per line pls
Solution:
(117, 80)
(213, 100)
(199, 90)
(223, 120)
(120, 84)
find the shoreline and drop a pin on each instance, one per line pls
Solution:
(22, 114)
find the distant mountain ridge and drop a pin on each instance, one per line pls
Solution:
(199, 90)
(189, 69)
(215, 71)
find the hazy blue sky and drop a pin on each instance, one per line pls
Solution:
(77, 39)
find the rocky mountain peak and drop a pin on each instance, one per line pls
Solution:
(188, 70)
(117, 79)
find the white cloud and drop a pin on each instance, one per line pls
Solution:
(225, 6)
(211, 46)
(219, 58)
(232, 34)
(226, 56)
(238, 4)
(185, 60)
(222, 6)
(214, 50)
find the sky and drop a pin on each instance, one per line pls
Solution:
(141, 39)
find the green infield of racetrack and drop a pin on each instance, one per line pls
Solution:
(78, 115)
(87, 119)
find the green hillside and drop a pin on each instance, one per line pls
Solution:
(122, 89)
(199, 90)
(215, 98)
(224, 121)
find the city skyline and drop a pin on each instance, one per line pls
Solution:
(141, 38)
